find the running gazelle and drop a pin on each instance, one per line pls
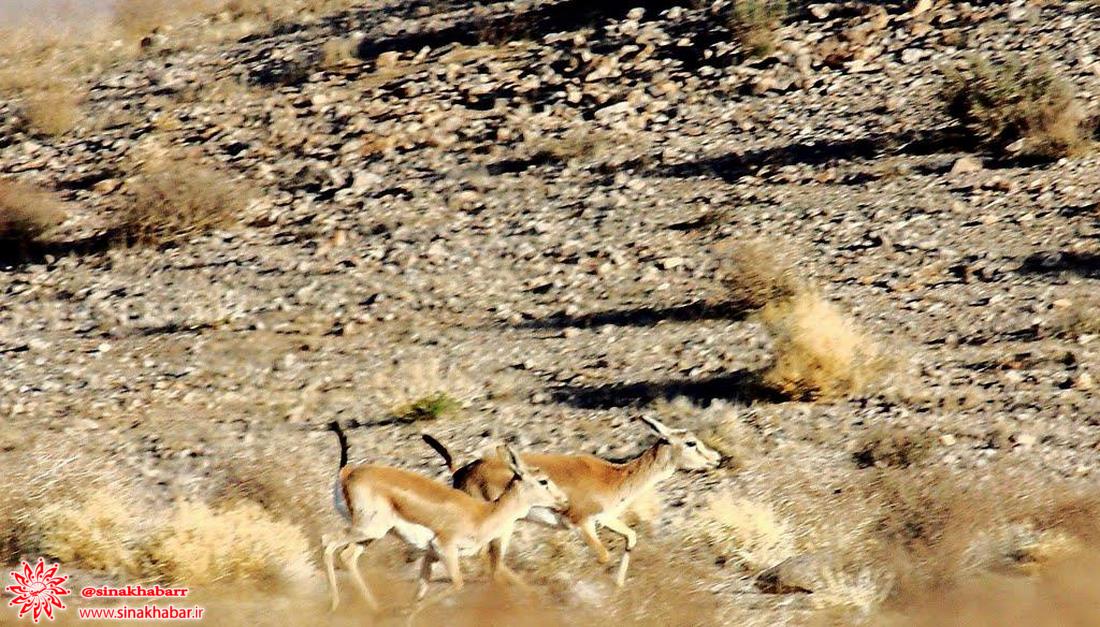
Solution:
(439, 520)
(598, 490)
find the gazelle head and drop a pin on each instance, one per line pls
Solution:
(535, 486)
(688, 452)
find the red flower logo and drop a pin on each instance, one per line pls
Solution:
(37, 590)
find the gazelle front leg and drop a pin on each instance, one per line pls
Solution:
(501, 572)
(588, 532)
(631, 538)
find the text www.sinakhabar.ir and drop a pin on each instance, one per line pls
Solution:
(147, 612)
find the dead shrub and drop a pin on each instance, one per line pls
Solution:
(755, 23)
(173, 202)
(753, 274)
(98, 532)
(1017, 109)
(897, 447)
(748, 532)
(819, 352)
(26, 214)
(51, 112)
(275, 481)
(340, 51)
(200, 545)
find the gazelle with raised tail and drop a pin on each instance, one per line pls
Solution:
(439, 520)
(599, 490)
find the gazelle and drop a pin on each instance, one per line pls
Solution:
(441, 521)
(599, 490)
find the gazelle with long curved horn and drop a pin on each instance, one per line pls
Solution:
(599, 491)
(439, 520)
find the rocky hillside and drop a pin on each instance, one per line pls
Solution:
(526, 210)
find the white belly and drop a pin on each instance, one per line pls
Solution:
(416, 535)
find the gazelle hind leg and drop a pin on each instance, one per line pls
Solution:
(425, 573)
(631, 538)
(333, 543)
(351, 557)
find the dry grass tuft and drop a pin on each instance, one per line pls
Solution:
(201, 545)
(196, 545)
(173, 202)
(340, 51)
(753, 274)
(755, 22)
(26, 214)
(820, 353)
(53, 112)
(747, 531)
(98, 532)
(1018, 109)
(892, 446)
(278, 480)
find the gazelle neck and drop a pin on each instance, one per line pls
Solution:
(508, 508)
(653, 466)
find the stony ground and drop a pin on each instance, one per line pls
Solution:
(525, 205)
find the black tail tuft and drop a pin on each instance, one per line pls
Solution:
(442, 450)
(335, 427)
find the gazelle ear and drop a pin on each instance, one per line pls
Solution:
(509, 457)
(659, 428)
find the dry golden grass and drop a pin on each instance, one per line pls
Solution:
(50, 480)
(33, 61)
(171, 202)
(819, 352)
(196, 545)
(201, 545)
(53, 111)
(753, 273)
(97, 532)
(26, 213)
(1018, 109)
(749, 532)
(340, 51)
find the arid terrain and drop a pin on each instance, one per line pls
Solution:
(854, 246)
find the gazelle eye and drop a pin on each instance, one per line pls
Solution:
(690, 444)
(543, 482)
